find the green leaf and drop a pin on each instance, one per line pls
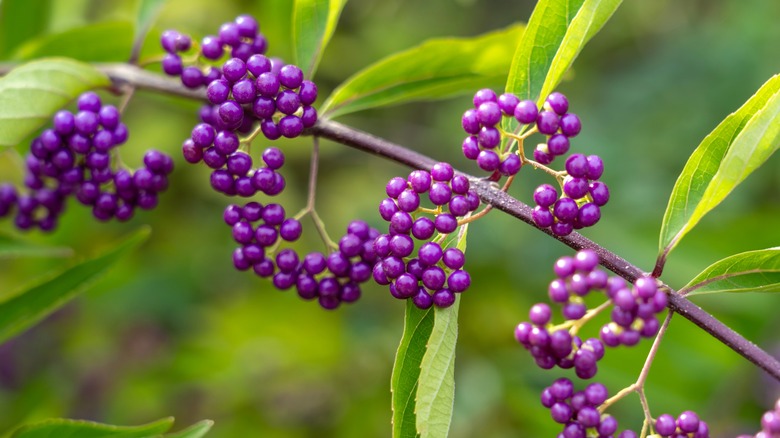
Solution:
(25, 308)
(31, 93)
(435, 69)
(752, 271)
(65, 428)
(148, 10)
(418, 325)
(735, 148)
(589, 20)
(197, 430)
(21, 20)
(556, 33)
(314, 22)
(105, 41)
(12, 247)
(436, 388)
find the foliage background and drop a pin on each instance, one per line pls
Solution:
(174, 330)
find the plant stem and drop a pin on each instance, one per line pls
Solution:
(121, 73)
(499, 200)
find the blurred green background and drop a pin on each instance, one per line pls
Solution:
(175, 330)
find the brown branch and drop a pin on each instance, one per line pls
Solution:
(126, 74)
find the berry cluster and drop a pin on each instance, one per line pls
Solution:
(558, 125)
(484, 137)
(557, 346)
(770, 424)
(434, 274)
(633, 316)
(686, 424)
(579, 204)
(634, 312)
(75, 157)
(241, 37)
(246, 90)
(552, 345)
(332, 280)
(578, 411)
(280, 100)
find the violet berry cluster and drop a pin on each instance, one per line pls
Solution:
(75, 157)
(240, 38)
(578, 411)
(634, 313)
(558, 124)
(555, 345)
(432, 274)
(770, 424)
(687, 424)
(247, 87)
(484, 140)
(579, 204)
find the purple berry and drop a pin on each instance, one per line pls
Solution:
(558, 103)
(526, 112)
(570, 125)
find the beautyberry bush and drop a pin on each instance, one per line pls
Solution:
(249, 181)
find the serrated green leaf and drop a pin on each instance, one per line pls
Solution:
(31, 93)
(736, 147)
(436, 69)
(313, 23)
(65, 428)
(436, 388)
(752, 271)
(105, 41)
(197, 430)
(23, 309)
(418, 325)
(12, 247)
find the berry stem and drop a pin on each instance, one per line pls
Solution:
(311, 197)
(121, 73)
(639, 385)
(250, 138)
(574, 325)
(314, 166)
(486, 210)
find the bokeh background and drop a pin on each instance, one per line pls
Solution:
(175, 330)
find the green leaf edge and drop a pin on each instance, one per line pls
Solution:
(436, 394)
(574, 41)
(704, 278)
(154, 428)
(341, 107)
(15, 301)
(197, 430)
(309, 66)
(94, 79)
(709, 146)
(407, 365)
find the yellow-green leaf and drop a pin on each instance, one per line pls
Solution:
(735, 148)
(752, 271)
(25, 308)
(436, 69)
(66, 428)
(31, 93)
(314, 22)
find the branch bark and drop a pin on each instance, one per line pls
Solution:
(123, 75)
